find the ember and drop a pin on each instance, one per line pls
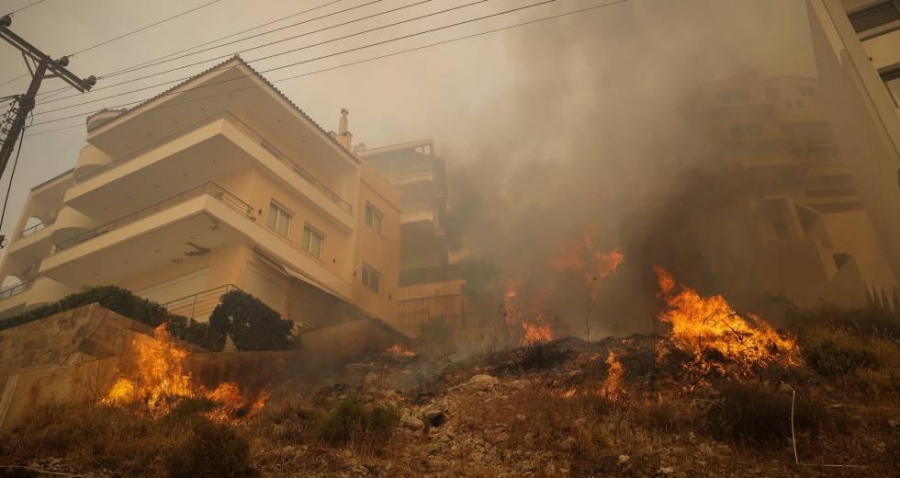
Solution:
(612, 386)
(160, 382)
(398, 350)
(703, 324)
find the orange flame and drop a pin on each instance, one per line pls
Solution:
(612, 386)
(398, 350)
(583, 257)
(160, 381)
(700, 324)
(536, 333)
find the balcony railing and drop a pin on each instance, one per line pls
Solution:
(35, 228)
(303, 173)
(210, 189)
(200, 304)
(16, 289)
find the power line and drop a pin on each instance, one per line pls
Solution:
(25, 7)
(458, 7)
(83, 50)
(23, 75)
(220, 57)
(397, 53)
(281, 19)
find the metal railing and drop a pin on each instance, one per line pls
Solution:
(210, 189)
(35, 228)
(201, 304)
(303, 173)
(16, 289)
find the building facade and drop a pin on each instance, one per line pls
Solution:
(857, 51)
(431, 286)
(816, 240)
(219, 183)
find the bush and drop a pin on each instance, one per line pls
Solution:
(251, 324)
(837, 355)
(213, 450)
(755, 415)
(352, 422)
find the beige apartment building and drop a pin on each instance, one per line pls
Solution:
(857, 50)
(431, 286)
(816, 240)
(221, 182)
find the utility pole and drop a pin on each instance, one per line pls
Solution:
(40, 66)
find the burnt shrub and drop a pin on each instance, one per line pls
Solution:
(213, 450)
(758, 416)
(539, 355)
(837, 355)
(352, 422)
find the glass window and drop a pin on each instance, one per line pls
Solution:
(373, 218)
(734, 96)
(312, 241)
(891, 80)
(371, 278)
(874, 16)
(279, 219)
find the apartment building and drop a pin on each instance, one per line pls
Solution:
(431, 286)
(857, 51)
(816, 239)
(221, 182)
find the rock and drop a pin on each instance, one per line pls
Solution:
(580, 423)
(520, 417)
(411, 422)
(665, 471)
(529, 439)
(624, 459)
(483, 382)
(706, 449)
(550, 469)
(893, 423)
(568, 444)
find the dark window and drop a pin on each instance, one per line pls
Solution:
(373, 218)
(874, 16)
(371, 278)
(772, 93)
(807, 91)
(748, 130)
(734, 96)
(891, 79)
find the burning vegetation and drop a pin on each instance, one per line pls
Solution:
(159, 383)
(708, 328)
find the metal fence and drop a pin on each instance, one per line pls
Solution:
(16, 289)
(201, 304)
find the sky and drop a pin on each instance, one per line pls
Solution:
(524, 114)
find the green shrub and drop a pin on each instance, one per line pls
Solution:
(756, 415)
(213, 450)
(352, 422)
(251, 324)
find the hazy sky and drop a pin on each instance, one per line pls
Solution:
(447, 93)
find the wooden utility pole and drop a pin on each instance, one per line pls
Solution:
(40, 66)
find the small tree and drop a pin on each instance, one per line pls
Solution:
(251, 324)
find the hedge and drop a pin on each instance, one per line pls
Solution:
(251, 324)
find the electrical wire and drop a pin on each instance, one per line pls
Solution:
(24, 8)
(280, 19)
(23, 75)
(543, 2)
(105, 42)
(220, 57)
(397, 53)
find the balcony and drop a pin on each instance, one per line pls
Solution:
(30, 294)
(210, 189)
(182, 230)
(201, 305)
(220, 146)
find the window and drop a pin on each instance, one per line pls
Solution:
(373, 218)
(312, 241)
(891, 79)
(874, 16)
(807, 91)
(734, 96)
(280, 219)
(772, 93)
(371, 278)
(799, 103)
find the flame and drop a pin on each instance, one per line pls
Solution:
(701, 324)
(398, 350)
(612, 386)
(536, 333)
(582, 256)
(160, 381)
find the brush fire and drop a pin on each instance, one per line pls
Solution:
(708, 326)
(159, 382)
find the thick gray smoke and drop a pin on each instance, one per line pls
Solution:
(605, 125)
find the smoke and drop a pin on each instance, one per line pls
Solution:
(605, 124)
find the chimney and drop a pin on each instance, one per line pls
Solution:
(345, 137)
